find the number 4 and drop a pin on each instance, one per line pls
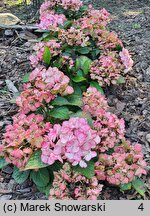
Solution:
(141, 207)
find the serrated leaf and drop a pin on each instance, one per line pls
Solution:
(41, 177)
(86, 66)
(75, 100)
(78, 79)
(83, 8)
(26, 78)
(124, 187)
(47, 55)
(72, 100)
(97, 86)
(35, 161)
(67, 24)
(45, 189)
(60, 113)
(139, 186)
(3, 163)
(77, 90)
(20, 176)
(121, 80)
(60, 101)
(58, 63)
(94, 53)
(83, 63)
(88, 172)
(83, 50)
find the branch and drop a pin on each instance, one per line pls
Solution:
(23, 27)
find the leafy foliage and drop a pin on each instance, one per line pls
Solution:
(88, 172)
(35, 161)
(20, 176)
(3, 163)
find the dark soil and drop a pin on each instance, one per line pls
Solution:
(131, 21)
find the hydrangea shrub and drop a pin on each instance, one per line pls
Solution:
(64, 135)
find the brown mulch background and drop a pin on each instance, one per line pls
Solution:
(131, 21)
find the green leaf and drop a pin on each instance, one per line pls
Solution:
(82, 114)
(60, 113)
(124, 187)
(119, 48)
(45, 189)
(83, 63)
(97, 86)
(77, 89)
(47, 55)
(88, 172)
(78, 79)
(55, 167)
(75, 100)
(20, 176)
(84, 8)
(26, 78)
(59, 10)
(35, 161)
(139, 186)
(58, 63)
(121, 80)
(67, 24)
(41, 177)
(83, 50)
(72, 100)
(86, 66)
(45, 36)
(94, 53)
(3, 163)
(60, 101)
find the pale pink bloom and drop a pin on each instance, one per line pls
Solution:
(126, 59)
(74, 141)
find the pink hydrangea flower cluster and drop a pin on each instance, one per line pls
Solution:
(94, 102)
(108, 40)
(47, 6)
(48, 18)
(73, 37)
(23, 138)
(110, 129)
(81, 187)
(126, 59)
(73, 5)
(107, 69)
(44, 85)
(95, 20)
(73, 141)
(37, 58)
(51, 21)
(122, 166)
